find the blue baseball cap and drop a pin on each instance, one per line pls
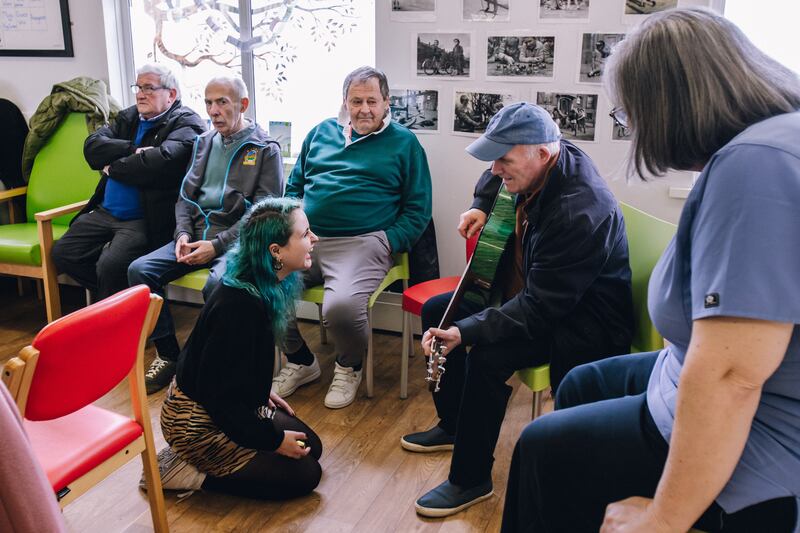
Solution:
(520, 123)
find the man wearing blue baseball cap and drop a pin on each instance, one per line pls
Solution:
(567, 295)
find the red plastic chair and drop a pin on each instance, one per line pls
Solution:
(413, 299)
(73, 362)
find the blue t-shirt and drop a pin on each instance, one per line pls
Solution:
(120, 199)
(737, 254)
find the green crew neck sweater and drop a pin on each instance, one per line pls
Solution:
(378, 182)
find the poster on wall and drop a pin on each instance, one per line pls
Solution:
(563, 10)
(444, 55)
(620, 132)
(473, 110)
(416, 109)
(281, 131)
(595, 49)
(575, 114)
(36, 28)
(486, 10)
(520, 57)
(647, 7)
(413, 10)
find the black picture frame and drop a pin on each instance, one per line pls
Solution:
(66, 30)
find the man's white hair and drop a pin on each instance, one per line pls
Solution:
(165, 76)
(237, 84)
(552, 147)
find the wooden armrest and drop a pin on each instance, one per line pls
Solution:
(12, 375)
(13, 193)
(50, 214)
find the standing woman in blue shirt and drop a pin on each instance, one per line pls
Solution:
(706, 431)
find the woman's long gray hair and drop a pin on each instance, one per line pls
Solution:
(690, 81)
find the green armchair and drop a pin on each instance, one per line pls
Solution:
(60, 185)
(648, 237)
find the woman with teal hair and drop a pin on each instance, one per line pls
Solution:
(226, 430)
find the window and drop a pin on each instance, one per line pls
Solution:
(771, 25)
(292, 54)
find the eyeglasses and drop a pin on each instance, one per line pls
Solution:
(146, 89)
(620, 116)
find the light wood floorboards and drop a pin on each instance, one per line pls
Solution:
(369, 483)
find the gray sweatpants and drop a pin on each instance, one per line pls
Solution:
(350, 268)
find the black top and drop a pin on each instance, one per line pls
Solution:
(577, 298)
(157, 173)
(226, 366)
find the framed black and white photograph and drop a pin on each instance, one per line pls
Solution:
(473, 110)
(413, 10)
(416, 109)
(281, 131)
(595, 49)
(563, 10)
(39, 28)
(520, 57)
(619, 132)
(648, 7)
(443, 55)
(575, 114)
(486, 10)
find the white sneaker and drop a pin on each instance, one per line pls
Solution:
(292, 376)
(343, 388)
(175, 473)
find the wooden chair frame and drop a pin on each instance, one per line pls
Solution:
(47, 270)
(398, 272)
(18, 375)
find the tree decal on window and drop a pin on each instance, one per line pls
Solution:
(193, 31)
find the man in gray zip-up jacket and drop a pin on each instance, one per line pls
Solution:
(232, 166)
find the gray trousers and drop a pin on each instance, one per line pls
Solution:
(350, 268)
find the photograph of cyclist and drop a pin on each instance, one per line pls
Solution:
(444, 55)
(486, 10)
(563, 10)
(575, 114)
(474, 110)
(519, 57)
(595, 48)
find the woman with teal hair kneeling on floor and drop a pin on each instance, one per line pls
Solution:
(226, 430)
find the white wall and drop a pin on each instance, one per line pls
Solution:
(27, 80)
(454, 172)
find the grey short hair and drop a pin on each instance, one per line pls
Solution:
(689, 81)
(239, 89)
(553, 147)
(165, 76)
(363, 75)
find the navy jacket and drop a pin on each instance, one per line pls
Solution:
(577, 300)
(157, 173)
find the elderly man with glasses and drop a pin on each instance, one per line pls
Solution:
(143, 156)
(234, 165)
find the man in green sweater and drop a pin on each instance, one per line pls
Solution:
(366, 189)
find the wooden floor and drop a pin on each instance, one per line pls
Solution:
(369, 483)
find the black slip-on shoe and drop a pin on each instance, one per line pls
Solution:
(433, 440)
(448, 499)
